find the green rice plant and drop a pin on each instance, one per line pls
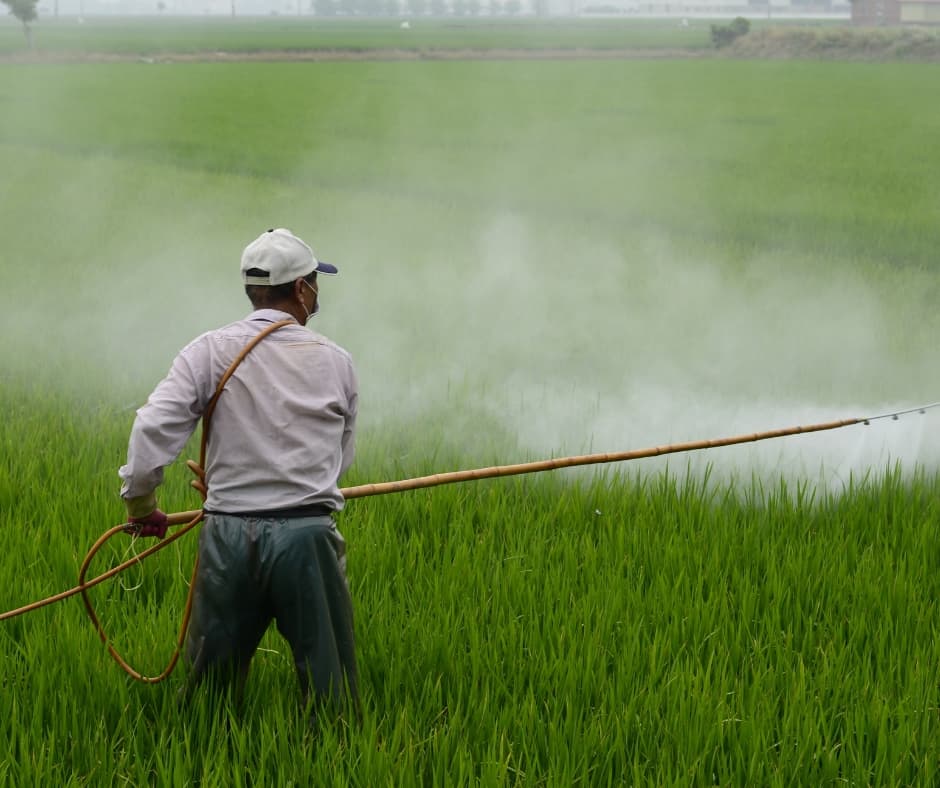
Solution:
(541, 630)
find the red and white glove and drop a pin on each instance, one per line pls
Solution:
(154, 524)
(144, 518)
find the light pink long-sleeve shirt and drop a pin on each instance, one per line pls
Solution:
(282, 433)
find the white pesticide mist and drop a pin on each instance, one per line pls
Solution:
(496, 345)
(501, 333)
(601, 350)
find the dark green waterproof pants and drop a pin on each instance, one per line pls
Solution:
(254, 570)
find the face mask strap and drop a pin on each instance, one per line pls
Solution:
(316, 301)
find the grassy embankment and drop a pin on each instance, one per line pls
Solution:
(624, 628)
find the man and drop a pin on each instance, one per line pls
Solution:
(280, 437)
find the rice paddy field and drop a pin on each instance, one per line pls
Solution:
(538, 258)
(278, 34)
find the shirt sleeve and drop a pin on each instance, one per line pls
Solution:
(348, 444)
(162, 428)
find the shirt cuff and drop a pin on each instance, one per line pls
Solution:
(141, 506)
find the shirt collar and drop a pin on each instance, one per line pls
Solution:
(270, 315)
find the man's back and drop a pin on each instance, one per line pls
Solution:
(282, 432)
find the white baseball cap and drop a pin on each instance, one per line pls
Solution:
(283, 256)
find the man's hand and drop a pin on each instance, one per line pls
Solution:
(144, 518)
(154, 524)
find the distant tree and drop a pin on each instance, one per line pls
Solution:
(161, 6)
(474, 7)
(391, 8)
(417, 7)
(460, 7)
(25, 11)
(724, 35)
(324, 7)
(513, 7)
(438, 8)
